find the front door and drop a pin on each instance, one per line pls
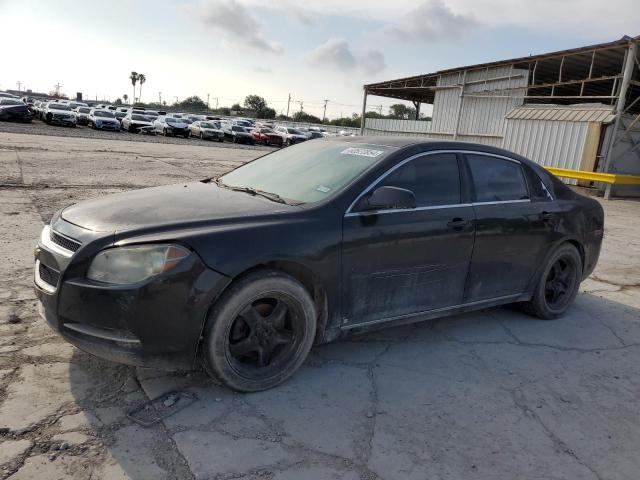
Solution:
(397, 263)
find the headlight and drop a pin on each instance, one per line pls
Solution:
(123, 265)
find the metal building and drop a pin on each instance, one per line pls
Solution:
(577, 108)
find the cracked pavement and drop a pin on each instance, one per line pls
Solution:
(489, 395)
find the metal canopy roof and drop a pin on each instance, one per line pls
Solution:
(584, 74)
(570, 113)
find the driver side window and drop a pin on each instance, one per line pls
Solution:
(433, 179)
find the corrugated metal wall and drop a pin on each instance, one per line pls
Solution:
(481, 119)
(549, 143)
(478, 115)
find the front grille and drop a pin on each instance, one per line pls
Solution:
(48, 275)
(64, 242)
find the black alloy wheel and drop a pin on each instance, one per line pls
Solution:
(259, 332)
(558, 284)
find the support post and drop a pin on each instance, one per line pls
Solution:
(417, 107)
(364, 110)
(460, 104)
(629, 62)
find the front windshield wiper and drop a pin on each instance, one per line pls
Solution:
(252, 191)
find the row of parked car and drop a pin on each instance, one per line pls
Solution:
(151, 122)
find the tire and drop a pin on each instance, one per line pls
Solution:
(558, 285)
(268, 347)
(164, 132)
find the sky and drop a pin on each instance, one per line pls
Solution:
(314, 51)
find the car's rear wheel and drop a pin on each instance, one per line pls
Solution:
(259, 332)
(558, 285)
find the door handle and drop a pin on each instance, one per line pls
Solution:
(457, 224)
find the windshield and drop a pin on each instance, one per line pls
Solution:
(207, 125)
(293, 131)
(10, 101)
(59, 106)
(174, 120)
(236, 128)
(84, 110)
(139, 117)
(308, 172)
(103, 113)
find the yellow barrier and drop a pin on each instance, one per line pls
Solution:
(608, 178)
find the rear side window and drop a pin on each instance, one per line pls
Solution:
(434, 179)
(496, 179)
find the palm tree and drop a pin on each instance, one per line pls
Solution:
(141, 79)
(134, 79)
(125, 97)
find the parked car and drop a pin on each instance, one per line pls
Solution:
(291, 135)
(103, 120)
(82, 115)
(7, 95)
(14, 110)
(59, 113)
(266, 136)
(134, 121)
(243, 123)
(246, 271)
(310, 134)
(206, 130)
(120, 116)
(171, 126)
(238, 134)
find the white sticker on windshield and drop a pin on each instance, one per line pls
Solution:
(323, 189)
(363, 152)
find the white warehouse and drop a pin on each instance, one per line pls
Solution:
(560, 109)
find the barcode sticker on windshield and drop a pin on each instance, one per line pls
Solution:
(363, 152)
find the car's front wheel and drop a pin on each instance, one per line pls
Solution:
(259, 332)
(558, 285)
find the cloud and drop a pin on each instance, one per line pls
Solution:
(432, 21)
(236, 23)
(336, 53)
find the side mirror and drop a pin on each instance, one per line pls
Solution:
(384, 198)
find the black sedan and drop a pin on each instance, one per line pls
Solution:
(14, 110)
(238, 134)
(245, 272)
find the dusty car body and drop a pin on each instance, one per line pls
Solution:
(171, 126)
(100, 119)
(206, 130)
(267, 136)
(243, 273)
(14, 110)
(238, 134)
(54, 113)
(133, 122)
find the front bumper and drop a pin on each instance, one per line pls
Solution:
(114, 127)
(69, 121)
(156, 323)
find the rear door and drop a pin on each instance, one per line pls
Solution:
(512, 231)
(404, 261)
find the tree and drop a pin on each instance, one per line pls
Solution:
(126, 97)
(226, 111)
(268, 113)
(118, 101)
(134, 79)
(141, 78)
(236, 107)
(193, 103)
(255, 102)
(305, 117)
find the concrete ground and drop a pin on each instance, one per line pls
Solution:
(490, 395)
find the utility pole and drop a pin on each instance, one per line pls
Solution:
(324, 113)
(288, 102)
(159, 98)
(216, 103)
(57, 87)
(176, 99)
(207, 101)
(19, 83)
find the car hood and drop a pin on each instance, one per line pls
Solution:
(105, 119)
(170, 205)
(177, 124)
